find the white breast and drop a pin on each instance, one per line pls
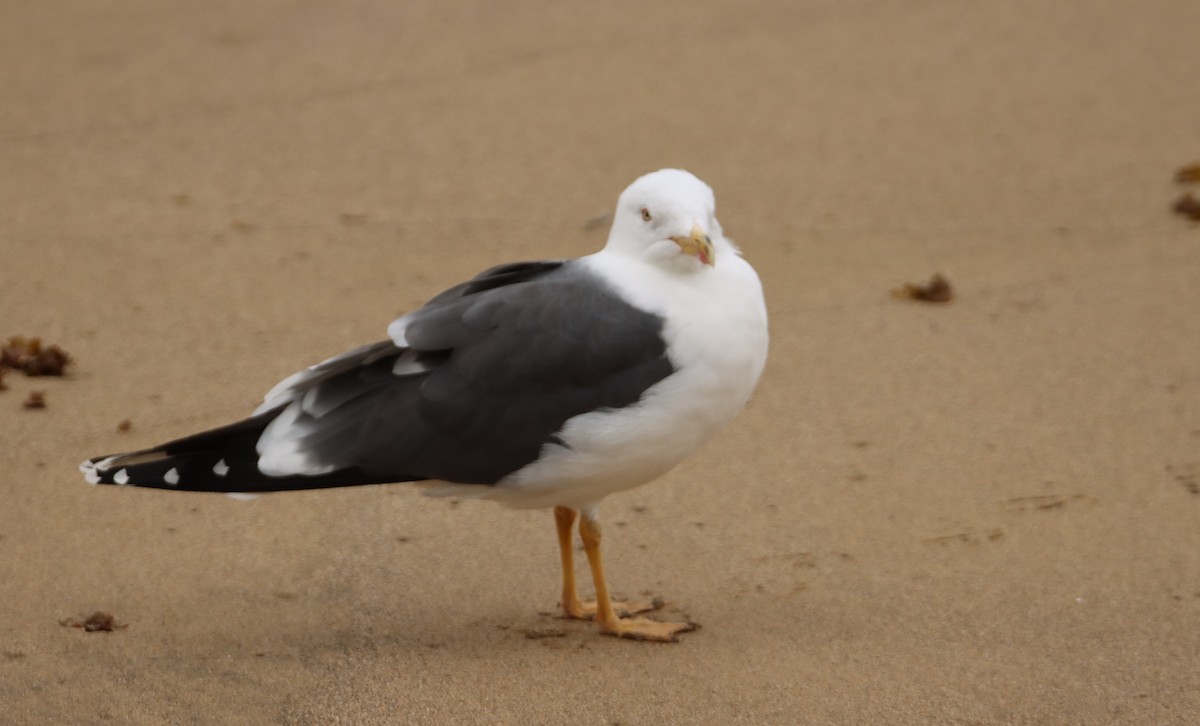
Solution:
(716, 331)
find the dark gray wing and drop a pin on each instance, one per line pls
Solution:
(492, 370)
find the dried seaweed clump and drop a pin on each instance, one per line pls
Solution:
(1189, 174)
(35, 359)
(97, 622)
(1187, 205)
(937, 290)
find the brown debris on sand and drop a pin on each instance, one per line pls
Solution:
(35, 359)
(97, 622)
(1189, 174)
(937, 290)
(1187, 206)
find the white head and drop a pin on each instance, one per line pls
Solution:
(669, 217)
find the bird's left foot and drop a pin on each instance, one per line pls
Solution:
(646, 629)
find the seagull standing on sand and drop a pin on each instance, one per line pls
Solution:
(536, 384)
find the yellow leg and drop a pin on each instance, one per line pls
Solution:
(573, 607)
(606, 615)
(564, 517)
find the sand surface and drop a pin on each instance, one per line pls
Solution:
(980, 512)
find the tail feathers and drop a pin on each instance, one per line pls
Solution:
(220, 460)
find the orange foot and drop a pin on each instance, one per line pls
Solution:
(646, 629)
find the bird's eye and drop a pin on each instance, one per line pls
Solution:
(646, 215)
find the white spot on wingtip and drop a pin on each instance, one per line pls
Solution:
(241, 496)
(121, 477)
(172, 476)
(221, 468)
(89, 472)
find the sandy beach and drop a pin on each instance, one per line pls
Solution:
(985, 511)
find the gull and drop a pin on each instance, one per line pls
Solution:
(548, 384)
